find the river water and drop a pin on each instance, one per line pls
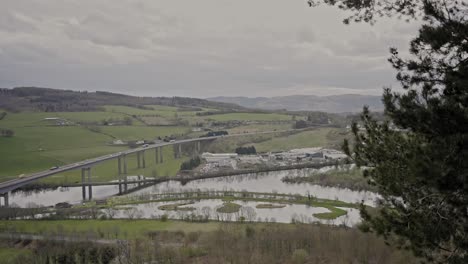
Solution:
(258, 182)
(287, 214)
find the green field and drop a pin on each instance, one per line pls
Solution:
(39, 144)
(258, 128)
(249, 117)
(110, 228)
(321, 137)
(7, 255)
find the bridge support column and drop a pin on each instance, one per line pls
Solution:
(125, 174)
(90, 186)
(161, 159)
(143, 159)
(6, 203)
(138, 159)
(198, 147)
(83, 183)
(119, 164)
(156, 155)
(5, 200)
(179, 152)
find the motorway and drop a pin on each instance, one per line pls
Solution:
(10, 185)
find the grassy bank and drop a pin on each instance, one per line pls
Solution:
(108, 229)
(341, 178)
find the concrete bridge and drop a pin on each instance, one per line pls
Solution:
(86, 165)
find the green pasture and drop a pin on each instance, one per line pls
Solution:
(248, 117)
(321, 137)
(8, 255)
(108, 228)
(127, 133)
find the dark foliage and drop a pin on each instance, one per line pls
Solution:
(191, 164)
(421, 173)
(215, 134)
(246, 150)
(300, 124)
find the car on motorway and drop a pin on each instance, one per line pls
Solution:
(145, 145)
(21, 176)
(54, 168)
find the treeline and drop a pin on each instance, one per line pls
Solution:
(246, 150)
(54, 100)
(117, 121)
(190, 164)
(230, 243)
(215, 134)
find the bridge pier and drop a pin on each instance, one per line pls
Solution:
(178, 151)
(83, 181)
(85, 171)
(161, 160)
(198, 147)
(5, 200)
(125, 174)
(90, 186)
(156, 155)
(143, 159)
(138, 159)
(122, 163)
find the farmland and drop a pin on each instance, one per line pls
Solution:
(42, 140)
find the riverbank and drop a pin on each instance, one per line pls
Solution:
(182, 178)
(352, 179)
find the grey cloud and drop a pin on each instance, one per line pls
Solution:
(203, 48)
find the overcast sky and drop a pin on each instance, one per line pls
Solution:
(199, 48)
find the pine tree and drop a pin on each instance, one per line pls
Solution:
(418, 160)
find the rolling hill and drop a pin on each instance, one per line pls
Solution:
(331, 104)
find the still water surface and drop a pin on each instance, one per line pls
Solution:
(259, 182)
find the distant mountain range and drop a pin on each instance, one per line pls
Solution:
(348, 103)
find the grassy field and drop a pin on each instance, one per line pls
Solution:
(249, 117)
(138, 133)
(160, 110)
(7, 255)
(33, 119)
(38, 145)
(321, 137)
(38, 148)
(258, 128)
(111, 228)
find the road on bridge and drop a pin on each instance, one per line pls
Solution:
(10, 185)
